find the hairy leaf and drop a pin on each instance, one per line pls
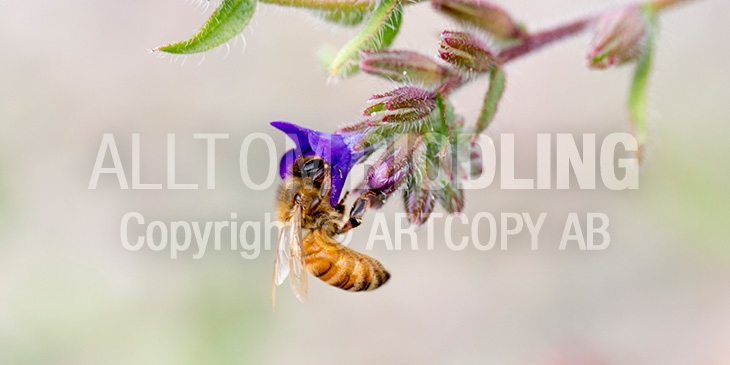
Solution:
(378, 32)
(491, 100)
(229, 19)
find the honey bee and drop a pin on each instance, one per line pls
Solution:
(304, 203)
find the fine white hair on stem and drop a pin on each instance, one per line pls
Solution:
(332, 79)
(243, 42)
(228, 49)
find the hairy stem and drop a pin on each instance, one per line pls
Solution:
(354, 5)
(538, 40)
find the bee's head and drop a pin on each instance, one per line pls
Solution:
(310, 167)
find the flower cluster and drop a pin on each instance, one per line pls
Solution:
(423, 147)
(422, 150)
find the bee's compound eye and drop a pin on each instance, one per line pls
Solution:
(303, 167)
(313, 169)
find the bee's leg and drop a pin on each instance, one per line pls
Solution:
(324, 191)
(314, 204)
(340, 207)
(358, 210)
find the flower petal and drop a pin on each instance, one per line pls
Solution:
(333, 148)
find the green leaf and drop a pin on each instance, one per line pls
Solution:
(229, 19)
(378, 32)
(638, 93)
(491, 99)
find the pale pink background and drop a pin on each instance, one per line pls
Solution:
(70, 294)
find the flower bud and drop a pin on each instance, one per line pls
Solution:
(465, 51)
(618, 38)
(403, 66)
(358, 127)
(476, 162)
(419, 204)
(405, 104)
(451, 198)
(398, 160)
(482, 14)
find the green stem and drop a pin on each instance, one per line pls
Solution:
(353, 5)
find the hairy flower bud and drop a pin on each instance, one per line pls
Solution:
(404, 104)
(482, 14)
(419, 204)
(398, 160)
(451, 198)
(465, 51)
(476, 162)
(403, 66)
(618, 37)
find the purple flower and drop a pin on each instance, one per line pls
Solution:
(337, 149)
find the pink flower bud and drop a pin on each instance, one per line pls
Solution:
(398, 160)
(405, 104)
(618, 37)
(419, 204)
(482, 14)
(403, 66)
(465, 51)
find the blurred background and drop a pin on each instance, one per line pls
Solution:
(71, 294)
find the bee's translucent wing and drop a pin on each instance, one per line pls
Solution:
(282, 260)
(283, 254)
(298, 277)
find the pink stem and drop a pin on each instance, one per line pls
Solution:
(538, 40)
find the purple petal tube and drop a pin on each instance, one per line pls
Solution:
(337, 149)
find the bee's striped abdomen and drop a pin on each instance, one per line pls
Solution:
(340, 266)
